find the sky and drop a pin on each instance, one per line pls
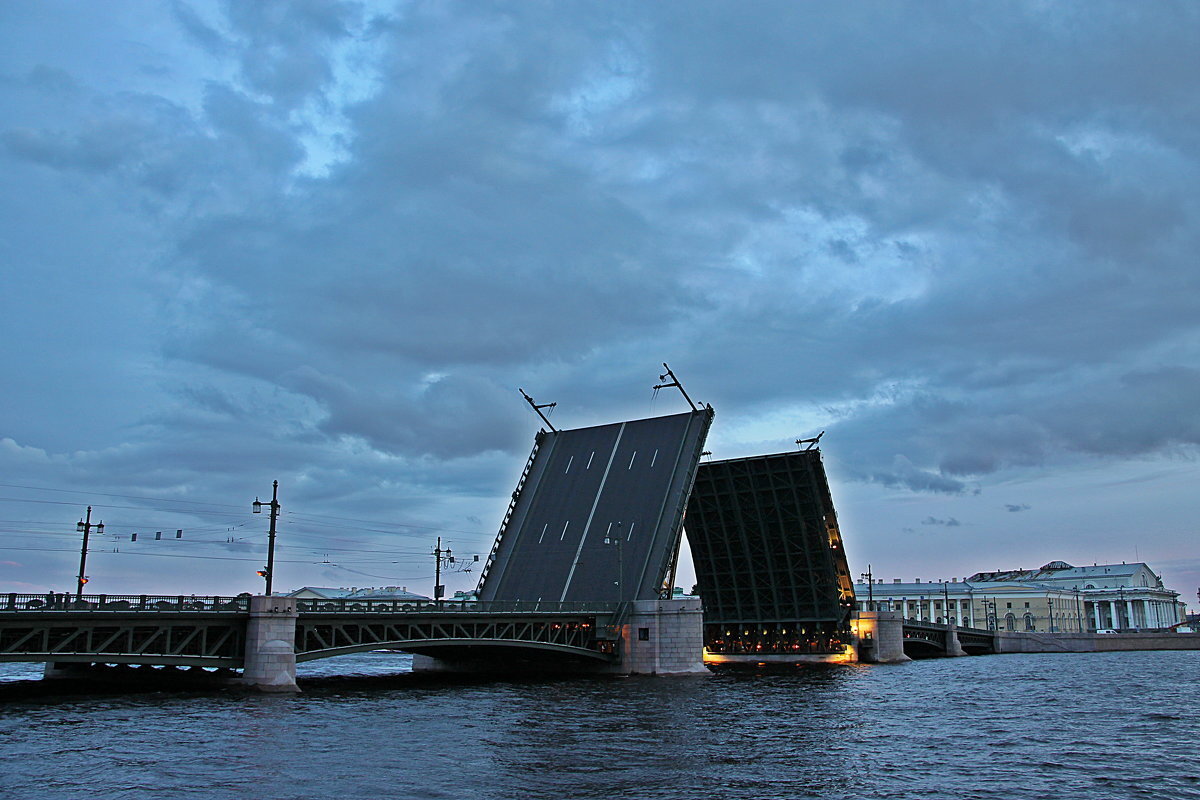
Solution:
(325, 243)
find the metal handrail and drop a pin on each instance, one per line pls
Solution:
(53, 601)
(402, 606)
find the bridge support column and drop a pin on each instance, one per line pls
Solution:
(953, 647)
(271, 645)
(65, 670)
(881, 637)
(663, 637)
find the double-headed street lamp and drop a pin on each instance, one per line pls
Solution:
(269, 572)
(869, 577)
(86, 529)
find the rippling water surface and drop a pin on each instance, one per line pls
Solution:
(1102, 725)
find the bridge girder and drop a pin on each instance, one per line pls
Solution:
(433, 647)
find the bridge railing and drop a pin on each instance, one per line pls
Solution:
(241, 604)
(341, 605)
(122, 602)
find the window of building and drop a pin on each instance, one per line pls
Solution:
(1009, 605)
(1028, 622)
(643, 634)
(1010, 621)
(1027, 605)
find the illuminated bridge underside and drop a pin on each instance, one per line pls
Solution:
(460, 637)
(768, 555)
(628, 483)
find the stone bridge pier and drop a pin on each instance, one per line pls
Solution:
(271, 645)
(880, 637)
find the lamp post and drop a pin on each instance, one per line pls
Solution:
(269, 572)
(870, 579)
(86, 529)
(439, 589)
(946, 602)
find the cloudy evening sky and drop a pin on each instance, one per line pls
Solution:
(325, 243)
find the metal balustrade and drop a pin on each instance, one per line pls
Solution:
(343, 605)
(123, 602)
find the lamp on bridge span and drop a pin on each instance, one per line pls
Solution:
(268, 573)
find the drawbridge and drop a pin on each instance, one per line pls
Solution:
(598, 512)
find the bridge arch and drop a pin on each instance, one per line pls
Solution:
(459, 647)
(923, 648)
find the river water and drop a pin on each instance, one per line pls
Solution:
(1094, 726)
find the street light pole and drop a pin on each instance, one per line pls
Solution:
(86, 528)
(269, 572)
(870, 578)
(439, 591)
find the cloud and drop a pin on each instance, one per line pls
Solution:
(1014, 507)
(950, 522)
(329, 240)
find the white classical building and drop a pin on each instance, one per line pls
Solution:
(1115, 596)
(1055, 598)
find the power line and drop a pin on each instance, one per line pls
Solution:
(103, 505)
(122, 496)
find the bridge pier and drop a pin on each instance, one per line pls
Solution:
(270, 664)
(67, 670)
(881, 637)
(663, 637)
(953, 647)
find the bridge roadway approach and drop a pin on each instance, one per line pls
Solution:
(265, 637)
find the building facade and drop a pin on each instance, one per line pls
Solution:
(1056, 598)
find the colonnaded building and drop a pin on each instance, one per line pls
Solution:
(1056, 598)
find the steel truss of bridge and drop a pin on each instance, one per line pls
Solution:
(211, 632)
(974, 640)
(324, 635)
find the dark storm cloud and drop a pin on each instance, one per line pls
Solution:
(961, 239)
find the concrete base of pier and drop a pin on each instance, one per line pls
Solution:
(663, 637)
(271, 645)
(953, 647)
(881, 637)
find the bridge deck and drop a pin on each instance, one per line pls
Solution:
(211, 632)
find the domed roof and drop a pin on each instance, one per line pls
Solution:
(1056, 565)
